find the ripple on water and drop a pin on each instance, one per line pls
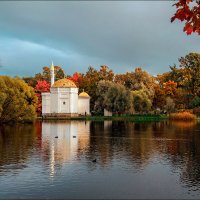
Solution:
(132, 161)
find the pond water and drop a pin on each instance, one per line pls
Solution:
(133, 160)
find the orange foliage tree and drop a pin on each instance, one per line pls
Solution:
(170, 88)
(159, 97)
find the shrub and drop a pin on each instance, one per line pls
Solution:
(195, 102)
(196, 111)
(182, 116)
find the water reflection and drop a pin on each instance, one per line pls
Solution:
(16, 144)
(184, 125)
(61, 142)
(65, 151)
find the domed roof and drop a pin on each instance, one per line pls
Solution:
(84, 94)
(64, 83)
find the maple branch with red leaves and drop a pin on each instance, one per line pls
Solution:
(188, 11)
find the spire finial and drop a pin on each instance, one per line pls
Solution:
(52, 66)
(52, 74)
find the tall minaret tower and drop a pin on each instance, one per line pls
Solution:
(52, 74)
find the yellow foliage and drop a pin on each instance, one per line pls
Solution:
(17, 100)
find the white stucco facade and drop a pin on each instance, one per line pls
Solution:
(46, 103)
(84, 105)
(107, 113)
(63, 99)
(60, 100)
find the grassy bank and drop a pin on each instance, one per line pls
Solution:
(142, 118)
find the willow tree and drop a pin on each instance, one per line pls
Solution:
(141, 102)
(17, 100)
(101, 91)
(91, 79)
(118, 99)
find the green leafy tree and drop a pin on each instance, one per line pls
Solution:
(60, 74)
(140, 101)
(91, 79)
(195, 102)
(102, 89)
(191, 64)
(137, 80)
(170, 105)
(117, 99)
(31, 81)
(17, 100)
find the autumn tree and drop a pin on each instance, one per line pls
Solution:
(175, 74)
(159, 98)
(77, 78)
(92, 77)
(191, 64)
(162, 78)
(31, 81)
(188, 11)
(42, 86)
(105, 73)
(45, 75)
(181, 83)
(17, 100)
(137, 80)
(121, 78)
(170, 88)
(59, 73)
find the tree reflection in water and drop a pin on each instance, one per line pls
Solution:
(129, 146)
(16, 143)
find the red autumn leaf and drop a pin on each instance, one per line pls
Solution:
(189, 30)
(42, 86)
(188, 11)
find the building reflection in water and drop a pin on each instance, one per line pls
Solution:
(61, 140)
(119, 144)
(136, 143)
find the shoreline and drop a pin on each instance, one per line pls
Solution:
(131, 118)
(110, 118)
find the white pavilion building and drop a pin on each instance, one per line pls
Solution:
(63, 99)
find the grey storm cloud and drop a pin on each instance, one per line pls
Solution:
(77, 34)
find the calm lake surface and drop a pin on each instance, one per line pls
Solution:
(133, 160)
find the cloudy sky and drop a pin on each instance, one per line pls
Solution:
(75, 35)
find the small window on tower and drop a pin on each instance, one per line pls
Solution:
(64, 103)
